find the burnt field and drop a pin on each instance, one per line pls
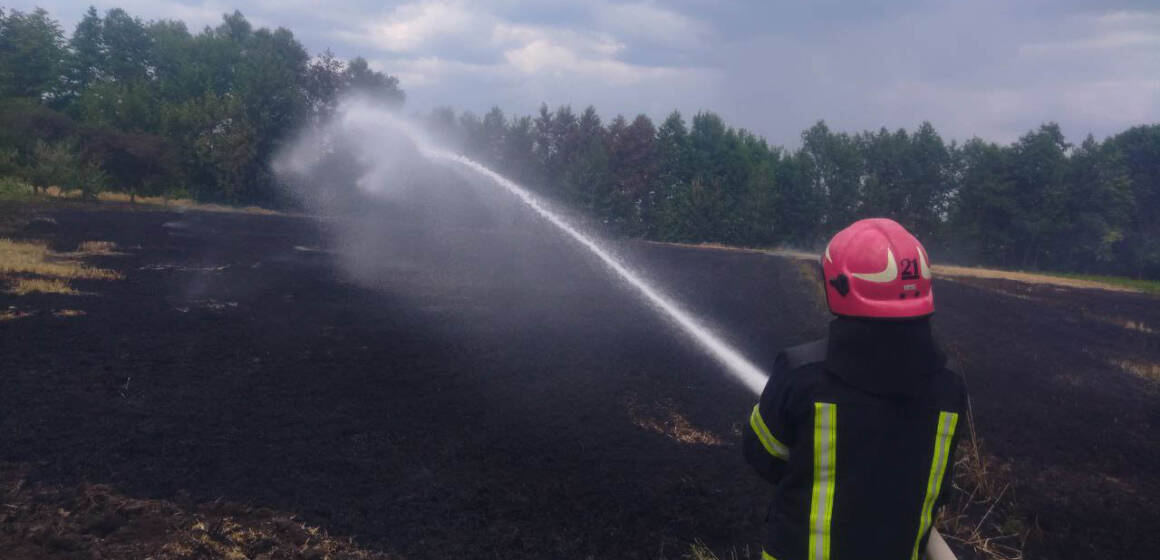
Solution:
(468, 390)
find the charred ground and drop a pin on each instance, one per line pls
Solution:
(468, 391)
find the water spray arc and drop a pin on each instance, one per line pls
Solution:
(736, 364)
(741, 368)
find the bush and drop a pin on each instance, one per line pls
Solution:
(12, 188)
(54, 165)
(90, 179)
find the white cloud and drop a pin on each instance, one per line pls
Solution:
(410, 27)
(656, 24)
(428, 71)
(550, 59)
(506, 35)
(435, 45)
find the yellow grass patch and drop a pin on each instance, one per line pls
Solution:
(25, 286)
(94, 248)
(664, 419)
(64, 313)
(124, 198)
(1136, 326)
(29, 267)
(13, 314)
(22, 257)
(1147, 370)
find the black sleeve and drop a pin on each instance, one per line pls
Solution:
(767, 437)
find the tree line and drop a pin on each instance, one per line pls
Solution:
(152, 108)
(1038, 203)
(149, 107)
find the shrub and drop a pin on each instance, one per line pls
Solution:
(12, 188)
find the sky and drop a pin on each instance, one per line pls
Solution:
(986, 68)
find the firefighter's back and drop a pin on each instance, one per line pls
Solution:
(865, 469)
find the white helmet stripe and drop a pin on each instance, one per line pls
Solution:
(888, 274)
(925, 268)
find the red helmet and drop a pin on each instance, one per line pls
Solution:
(875, 268)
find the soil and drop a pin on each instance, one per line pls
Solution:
(477, 390)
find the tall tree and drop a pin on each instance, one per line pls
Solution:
(127, 48)
(985, 206)
(87, 54)
(634, 164)
(492, 131)
(586, 174)
(519, 157)
(1140, 251)
(833, 167)
(1038, 168)
(31, 53)
(1096, 209)
(325, 81)
(360, 78)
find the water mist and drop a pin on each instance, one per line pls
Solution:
(388, 144)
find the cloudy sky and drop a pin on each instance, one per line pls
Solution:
(984, 68)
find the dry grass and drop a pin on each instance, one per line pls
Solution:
(24, 286)
(1146, 370)
(97, 248)
(65, 313)
(1136, 326)
(978, 516)
(12, 314)
(1128, 324)
(24, 257)
(664, 419)
(165, 202)
(31, 267)
(700, 551)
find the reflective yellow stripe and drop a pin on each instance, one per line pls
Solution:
(774, 447)
(825, 459)
(767, 556)
(938, 466)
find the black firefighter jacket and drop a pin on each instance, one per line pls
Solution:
(858, 433)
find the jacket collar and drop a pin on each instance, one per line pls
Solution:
(883, 357)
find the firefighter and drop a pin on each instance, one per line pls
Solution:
(857, 431)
